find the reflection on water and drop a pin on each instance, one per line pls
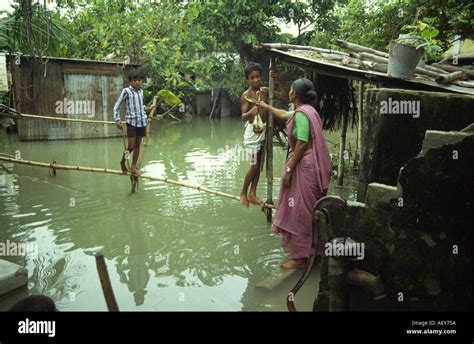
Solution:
(166, 247)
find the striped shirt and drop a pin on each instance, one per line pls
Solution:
(133, 99)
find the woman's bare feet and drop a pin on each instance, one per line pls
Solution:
(135, 171)
(253, 199)
(124, 167)
(243, 200)
(293, 264)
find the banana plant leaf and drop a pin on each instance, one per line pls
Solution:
(168, 97)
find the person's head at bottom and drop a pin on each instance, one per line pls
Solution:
(35, 303)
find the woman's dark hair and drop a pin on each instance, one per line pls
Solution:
(250, 67)
(134, 74)
(304, 90)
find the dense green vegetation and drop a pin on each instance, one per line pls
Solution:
(196, 45)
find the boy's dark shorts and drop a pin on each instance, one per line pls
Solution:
(133, 131)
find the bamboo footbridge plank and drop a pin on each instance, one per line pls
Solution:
(9, 158)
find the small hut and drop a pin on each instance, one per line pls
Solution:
(65, 88)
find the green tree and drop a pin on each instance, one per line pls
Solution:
(163, 37)
(32, 29)
(374, 23)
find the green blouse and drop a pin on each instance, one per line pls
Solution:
(300, 126)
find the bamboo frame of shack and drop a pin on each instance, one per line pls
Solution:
(342, 146)
(269, 142)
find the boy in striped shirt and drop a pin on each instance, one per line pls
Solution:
(135, 119)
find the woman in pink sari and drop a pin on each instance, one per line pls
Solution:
(306, 173)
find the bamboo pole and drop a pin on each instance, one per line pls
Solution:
(148, 127)
(373, 57)
(342, 147)
(282, 46)
(449, 68)
(89, 121)
(432, 72)
(169, 113)
(463, 83)
(105, 283)
(117, 172)
(269, 141)
(443, 79)
(360, 121)
(360, 48)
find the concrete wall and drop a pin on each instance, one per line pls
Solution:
(389, 140)
(418, 236)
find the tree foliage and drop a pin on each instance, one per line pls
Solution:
(205, 44)
(32, 29)
(374, 23)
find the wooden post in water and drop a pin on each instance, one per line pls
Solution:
(342, 145)
(105, 282)
(269, 145)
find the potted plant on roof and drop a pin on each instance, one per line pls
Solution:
(406, 51)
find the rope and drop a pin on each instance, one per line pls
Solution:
(7, 111)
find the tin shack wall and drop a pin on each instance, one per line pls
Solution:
(68, 89)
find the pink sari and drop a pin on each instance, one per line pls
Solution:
(309, 182)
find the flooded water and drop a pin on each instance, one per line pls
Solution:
(166, 247)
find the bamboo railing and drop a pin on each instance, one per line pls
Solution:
(6, 157)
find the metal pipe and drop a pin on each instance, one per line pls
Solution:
(368, 282)
(342, 276)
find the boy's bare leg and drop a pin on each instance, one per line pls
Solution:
(123, 166)
(252, 197)
(131, 146)
(248, 179)
(130, 149)
(136, 153)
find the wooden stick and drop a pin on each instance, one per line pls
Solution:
(282, 46)
(105, 283)
(165, 113)
(148, 125)
(360, 48)
(449, 68)
(109, 171)
(360, 114)
(6, 169)
(8, 155)
(24, 115)
(373, 57)
(379, 67)
(434, 69)
(342, 146)
(382, 60)
(269, 144)
(216, 100)
(443, 79)
(463, 83)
